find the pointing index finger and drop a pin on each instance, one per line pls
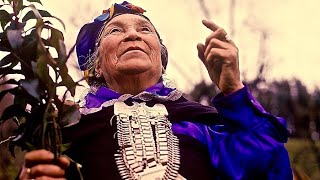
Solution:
(210, 25)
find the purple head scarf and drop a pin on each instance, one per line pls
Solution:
(88, 37)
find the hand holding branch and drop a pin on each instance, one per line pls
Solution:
(39, 165)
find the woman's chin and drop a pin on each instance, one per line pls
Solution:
(133, 69)
(134, 66)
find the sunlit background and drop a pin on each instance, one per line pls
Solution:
(280, 35)
(283, 34)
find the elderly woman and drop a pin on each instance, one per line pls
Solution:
(135, 127)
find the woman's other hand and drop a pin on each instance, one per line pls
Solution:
(39, 165)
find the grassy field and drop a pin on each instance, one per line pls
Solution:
(303, 157)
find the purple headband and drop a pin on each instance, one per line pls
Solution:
(90, 32)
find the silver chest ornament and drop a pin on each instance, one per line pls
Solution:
(147, 147)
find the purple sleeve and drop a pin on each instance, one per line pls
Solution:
(249, 142)
(242, 111)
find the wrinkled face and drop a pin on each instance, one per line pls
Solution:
(129, 46)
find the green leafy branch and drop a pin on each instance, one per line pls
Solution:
(38, 111)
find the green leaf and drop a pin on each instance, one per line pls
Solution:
(62, 23)
(37, 1)
(15, 25)
(15, 38)
(11, 149)
(22, 100)
(55, 38)
(36, 14)
(43, 72)
(5, 18)
(9, 70)
(21, 141)
(63, 71)
(19, 5)
(31, 86)
(4, 15)
(47, 22)
(30, 147)
(41, 49)
(4, 43)
(68, 82)
(42, 68)
(28, 51)
(65, 147)
(62, 52)
(8, 60)
(5, 46)
(70, 115)
(11, 111)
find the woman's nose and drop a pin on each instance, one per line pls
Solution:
(132, 35)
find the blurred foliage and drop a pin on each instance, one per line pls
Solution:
(292, 101)
(28, 39)
(288, 99)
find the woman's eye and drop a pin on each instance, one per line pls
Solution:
(146, 29)
(115, 30)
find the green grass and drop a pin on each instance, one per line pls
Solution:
(303, 157)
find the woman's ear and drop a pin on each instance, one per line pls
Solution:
(163, 70)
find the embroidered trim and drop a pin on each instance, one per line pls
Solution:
(144, 96)
(82, 101)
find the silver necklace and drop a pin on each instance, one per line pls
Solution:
(147, 147)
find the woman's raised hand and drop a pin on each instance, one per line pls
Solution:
(220, 56)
